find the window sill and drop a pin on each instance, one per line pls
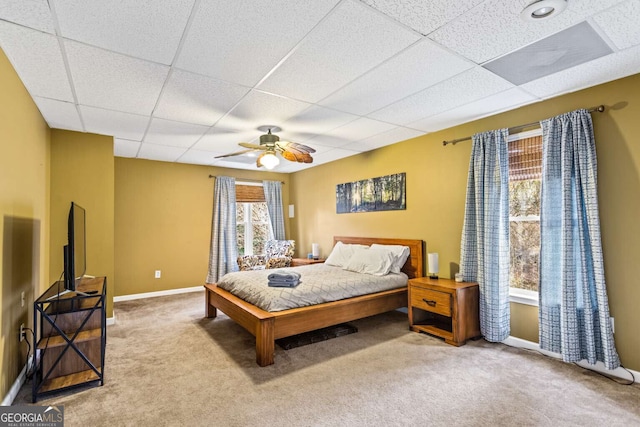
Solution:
(522, 296)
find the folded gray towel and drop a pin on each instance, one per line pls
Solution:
(281, 275)
(283, 284)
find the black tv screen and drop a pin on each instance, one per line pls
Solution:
(75, 257)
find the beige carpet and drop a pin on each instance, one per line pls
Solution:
(168, 366)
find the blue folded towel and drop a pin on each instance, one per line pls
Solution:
(286, 279)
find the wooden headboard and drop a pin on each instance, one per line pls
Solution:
(414, 267)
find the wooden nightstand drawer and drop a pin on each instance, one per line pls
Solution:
(433, 301)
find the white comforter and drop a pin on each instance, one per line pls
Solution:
(319, 283)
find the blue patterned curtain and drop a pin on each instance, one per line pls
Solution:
(273, 196)
(224, 246)
(484, 252)
(574, 309)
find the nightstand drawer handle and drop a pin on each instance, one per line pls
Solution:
(430, 303)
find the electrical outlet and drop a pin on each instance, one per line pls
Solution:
(613, 325)
(158, 274)
(22, 332)
(22, 299)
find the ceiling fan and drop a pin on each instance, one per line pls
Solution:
(271, 144)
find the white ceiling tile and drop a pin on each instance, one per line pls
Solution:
(259, 108)
(465, 87)
(114, 123)
(132, 27)
(325, 140)
(592, 73)
(331, 155)
(225, 141)
(30, 13)
(109, 80)
(500, 22)
(392, 136)
(59, 114)
(192, 98)
(363, 63)
(418, 67)
(125, 147)
(620, 24)
(423, 16)
(494, 104)
(361, 129)
(176, 134)
(198, 157)
(325, 61)
(162, 153)
(319, 148)
(290, 167)
(37, 58)
(314, 120)
(241, 41)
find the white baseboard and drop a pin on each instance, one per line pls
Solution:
(157, 294)
(622, 373)
(17, 384)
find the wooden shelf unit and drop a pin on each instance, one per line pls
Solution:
(444, 308)
(70, 336)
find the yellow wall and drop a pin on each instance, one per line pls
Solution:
(24, 196)
(436, 182)
(163, 222)
(82, 171)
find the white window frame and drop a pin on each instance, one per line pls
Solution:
(524, 296)
(248, 230)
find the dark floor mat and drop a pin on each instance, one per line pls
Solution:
(316, 336)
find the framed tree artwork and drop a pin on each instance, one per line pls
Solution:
(383, 193)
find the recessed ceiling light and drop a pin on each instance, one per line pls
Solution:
(543, 9)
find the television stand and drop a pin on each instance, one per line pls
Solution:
(70, 336)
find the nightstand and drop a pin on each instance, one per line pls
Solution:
(444, 308)
(295, 262)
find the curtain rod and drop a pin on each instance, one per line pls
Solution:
(247, 179)
(599, 109)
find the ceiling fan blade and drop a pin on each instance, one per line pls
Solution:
(293, 156)
(252, 146)
(294, 146)
(258, 160)
(237, 153)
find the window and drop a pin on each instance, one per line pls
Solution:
(525, 173)
(253, 227)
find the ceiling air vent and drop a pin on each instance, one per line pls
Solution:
(568, 48)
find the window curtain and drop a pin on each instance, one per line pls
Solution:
(485, 234)
(574, 309)
(273, 197)
(224, 246)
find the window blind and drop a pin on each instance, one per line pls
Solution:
(249, 193)
(525, 158)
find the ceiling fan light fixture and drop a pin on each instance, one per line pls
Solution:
(269, 161)
(543, 9)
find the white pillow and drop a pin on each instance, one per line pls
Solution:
(400, 254)
(370, 261)
(341, 254)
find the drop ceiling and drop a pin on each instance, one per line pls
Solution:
(186, 80)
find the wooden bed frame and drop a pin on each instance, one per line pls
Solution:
(269, 326)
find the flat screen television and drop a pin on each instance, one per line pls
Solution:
(75, 253)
